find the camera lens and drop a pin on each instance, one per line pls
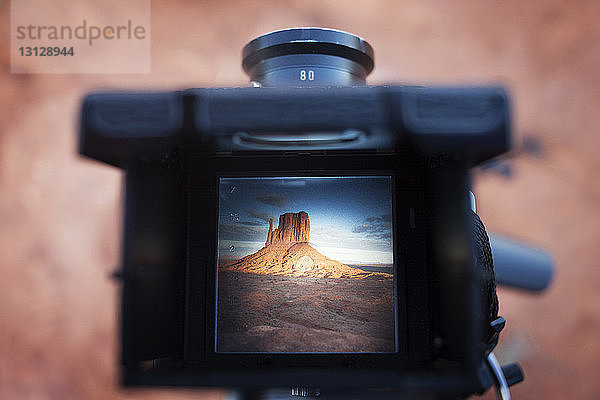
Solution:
(308, 57)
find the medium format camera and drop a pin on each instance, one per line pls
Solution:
(306, 232)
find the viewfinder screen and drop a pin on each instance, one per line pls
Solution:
(305, 265)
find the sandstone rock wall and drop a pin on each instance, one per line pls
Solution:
(292, 228)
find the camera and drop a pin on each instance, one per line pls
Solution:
(308, 231)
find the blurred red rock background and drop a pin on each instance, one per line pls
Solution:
(60, 214)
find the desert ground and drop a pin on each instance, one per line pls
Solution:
(61, 215)
(274, 313)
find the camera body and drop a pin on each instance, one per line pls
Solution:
(185, 152)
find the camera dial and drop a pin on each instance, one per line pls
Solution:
(308, 57)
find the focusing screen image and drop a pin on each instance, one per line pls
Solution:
(305, 264)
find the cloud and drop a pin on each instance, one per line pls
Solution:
(251, 223)
(376, 227)
(260, 215)
(242, 232)
(385, 218)
(272, 199)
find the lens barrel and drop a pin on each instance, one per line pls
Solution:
(308, 57)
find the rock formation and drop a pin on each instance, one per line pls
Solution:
(287, 252)
(293, 228)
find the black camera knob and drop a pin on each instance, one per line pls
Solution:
(308, 57)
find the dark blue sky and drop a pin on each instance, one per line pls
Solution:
(350, 217)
